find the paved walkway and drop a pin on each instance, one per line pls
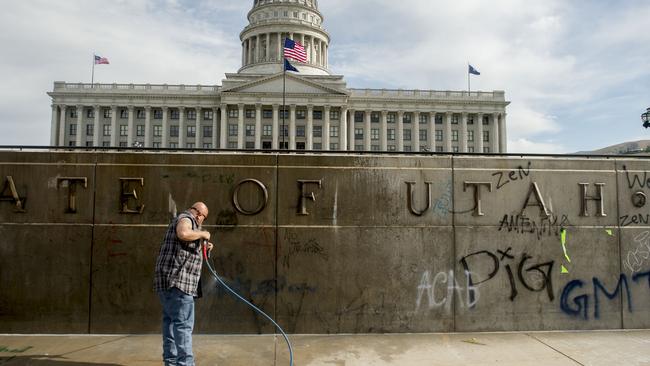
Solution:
(608, 348)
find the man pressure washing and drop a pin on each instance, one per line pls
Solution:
(178, 269)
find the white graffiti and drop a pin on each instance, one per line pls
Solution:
(637, 257)
(445, 280)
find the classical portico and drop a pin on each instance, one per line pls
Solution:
(249, 111)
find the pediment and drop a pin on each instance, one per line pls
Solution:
(276, 83)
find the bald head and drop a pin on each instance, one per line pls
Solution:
(200, 211)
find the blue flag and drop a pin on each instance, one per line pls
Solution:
(289, 67)
(473, 71)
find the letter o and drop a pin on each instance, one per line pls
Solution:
(639, 199)
(260, 207)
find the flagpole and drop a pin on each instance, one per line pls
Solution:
(469, 88)
(92, 78)
(284, 91)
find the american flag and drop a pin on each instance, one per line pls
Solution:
(99, 60)
(294, 50)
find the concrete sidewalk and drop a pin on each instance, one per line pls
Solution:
(540, 348)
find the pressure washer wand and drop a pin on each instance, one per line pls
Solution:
(206, 256)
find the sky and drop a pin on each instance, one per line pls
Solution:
(577, 73)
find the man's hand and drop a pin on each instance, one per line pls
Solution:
(210, 246)
(206, 235)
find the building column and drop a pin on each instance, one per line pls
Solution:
(447, 136)
(241, 134)
(310, 128)
(198, 138)
(312, 51)
(415, 136)
(276, 127)
(114, 129)
(383, 132)
(352, 139)
(54, 132)
(400, 131)
(494, 138)
(343, 129)
(257, 48)
(503, 137)
(326, 128)
(129, 135)
(80, 130)
(96, 126)
(215, 128)
(478, 138)
(268, 47)
(367, 127)
(62, 118)
(432, 132)
(224, 127)
(165, 128)
(280, 47)
(249, 57)
(147, 127)
(258, 126)
(302, 39)
(182, 131)
(292, 126)
(463, 132)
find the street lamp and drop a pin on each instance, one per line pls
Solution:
(645, 117)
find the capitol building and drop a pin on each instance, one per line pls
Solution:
(247, 111)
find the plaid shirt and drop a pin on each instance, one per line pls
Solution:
(179, 263)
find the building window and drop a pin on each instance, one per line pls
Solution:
(73, 130)
(392, 148)
(233, 113)
(106, 144)
(190, 145)
(407, 135)
(470, 136)
(72, 143)
(301, 114)
(335, 115)
(107, 130)
(486, 150)
(207, 131)
(454, 135)
(207, 145)
(250, 130)
(157, 114)
(73, 112)
(266, 145)
(108, 113)
(250, 113)
(300, 131)
(374, 134)
(358, 116)
(318, 115)
(157, 131)
(89, 130)
(470, 120)
(232, 145)
(391, 134)
(454, 149)
(139, 130)
(438, 119)
(191, 130)
(124, 130)
(374, 117)
(391, 118)
(454, 119)
(285, 131)
(375, 148)
(486, 120)
(317, 146)
(173, 145)
(208, 115)
(470, 149)
(139, 113)
(267, 130)
(407, 148)
(424, 119)
(406, 118)
(358, 133)
(175, 114)
(191, 114)
(232, 130)
(284, 145)
(439, 149)
(318, 131)
(423, 135)
(486, 136)
(334, 131)
(300, 146)
(90, 113)
(124, 113)
(156, 145)
(358, 147)
(173, 131)
(438, 135)
(267, 113)
(334, 146)
(284, 114)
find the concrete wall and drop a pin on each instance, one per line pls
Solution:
(361, 260)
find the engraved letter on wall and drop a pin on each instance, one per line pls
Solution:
(12, 195)
(128, 193)
(72, 190)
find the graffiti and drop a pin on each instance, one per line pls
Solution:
(448, 280)
(578, 305)
(544, 226)
(511, 176)
(443, 205)
(5, 349)
(534, 278)
(627, 220)
(635, 258)
(295, 247)
(637, 180)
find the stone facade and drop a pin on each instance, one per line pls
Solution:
(246, 112)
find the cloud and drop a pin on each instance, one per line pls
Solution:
(526, 146)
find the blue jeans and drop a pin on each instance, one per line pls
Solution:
(177, 326)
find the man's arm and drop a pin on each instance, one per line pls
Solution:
(185, 233)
